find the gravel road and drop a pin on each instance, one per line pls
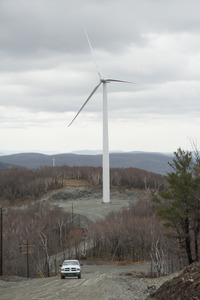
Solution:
(102, 282)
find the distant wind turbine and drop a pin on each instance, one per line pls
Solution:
(106, 165)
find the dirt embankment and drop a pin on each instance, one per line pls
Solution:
(186, 286)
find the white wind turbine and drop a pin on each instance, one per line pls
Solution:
(106, 164)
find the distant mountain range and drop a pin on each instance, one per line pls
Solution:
(149, 161)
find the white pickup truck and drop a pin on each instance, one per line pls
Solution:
(70, 268)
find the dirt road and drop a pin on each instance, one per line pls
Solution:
(103, 282)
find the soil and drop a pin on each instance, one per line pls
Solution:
(185, 286)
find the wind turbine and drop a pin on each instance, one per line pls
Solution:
(106, 164)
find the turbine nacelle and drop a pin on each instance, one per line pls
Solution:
(104, 81)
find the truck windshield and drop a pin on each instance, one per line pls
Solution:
(70, 263)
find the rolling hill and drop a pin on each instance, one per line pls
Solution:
(5, 166)
(149, 161)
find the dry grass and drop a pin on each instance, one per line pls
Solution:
(76, 182)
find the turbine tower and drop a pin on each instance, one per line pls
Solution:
(106, 164)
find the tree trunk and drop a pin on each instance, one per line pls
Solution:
(196, 233)
(188, 242)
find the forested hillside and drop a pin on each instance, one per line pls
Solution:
(22, 184)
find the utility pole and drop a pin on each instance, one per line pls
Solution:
(27, 253)
(1, 242)
(72, 214)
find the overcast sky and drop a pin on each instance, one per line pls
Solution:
(47, 72)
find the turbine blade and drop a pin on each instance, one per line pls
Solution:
(92, 93)
(118, 80)
(97, 67)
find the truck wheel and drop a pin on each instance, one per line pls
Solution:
(79, 276)
(62, 276)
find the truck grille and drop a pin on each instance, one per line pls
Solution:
(70, 269)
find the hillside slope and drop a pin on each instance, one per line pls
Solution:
(149, 161)
(5, 166)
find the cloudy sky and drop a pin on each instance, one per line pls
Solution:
(47, 72)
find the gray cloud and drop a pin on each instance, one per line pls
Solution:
(47, 70)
